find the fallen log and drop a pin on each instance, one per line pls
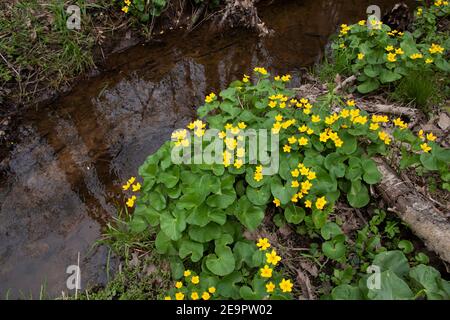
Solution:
(416, 211)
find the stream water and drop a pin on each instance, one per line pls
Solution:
(62, 180)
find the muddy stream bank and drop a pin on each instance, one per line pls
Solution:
(61, 181)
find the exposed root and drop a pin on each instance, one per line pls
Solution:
(242, 14)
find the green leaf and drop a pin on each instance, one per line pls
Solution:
(202, 215)
(334, 162)
(148, 214)
(192, 248)
(350, 143)
(430, 279)
(319, 218)
(368, 86)
(387, 76)
(392, 288)
(248, 214)
(358, 195)
(406, 246)
(394, 261)
(330, 230)
(228, 287)
(282, 192)
(346, 292)
(259, 196)
(333, 250)
(204, 234)
(173, 224)
(138, 224)
(222, 262)
(429, 161)
(230, 108)
(371, 173)
(372, 71)
(243, 252)
(157, 200)
(294, 214)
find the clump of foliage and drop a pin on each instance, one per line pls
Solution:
(380, 56)
(201, 210)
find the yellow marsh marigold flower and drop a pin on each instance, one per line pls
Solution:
(303, 128)
(260, 70)
(136, 187)
(287, 148)
(338, 143)
(206, 296)
(311, 175)
(304, 171)
(272, 104)
(195, 279)
(179, 284)
(279, 118)
(212, 290)
(246, 78)
(295, 173)
(194, 296)
(292, 140)
(240, 153)
(428, 61)
(374, 126)
(351, 103)
(416, 56)
(167, 298)
(315, 118)
(273, 258)
(238, 163)
(286, 285)
(210, 98)
(420, 134)
(286, 78)
(320, 203)
(276, 202)
(266, 272)
(431, 137)
(435, 48)
(399, 51)
(392, 57)
(187, 273)
(270, 286)
(242, 125)
(295, 184)
(425, 147)
(399, 123)
(303, 141)
(131, 180)
(277, 78)
(235, 130)
(263, 244)
(126, 186)
(306, 185)
(384, 137)
(130, 201)
(362, 22)
(389, 48)
(228, 126)
(308, 204)
(125, 9)
(360, 56)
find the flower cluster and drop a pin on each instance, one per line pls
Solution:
(192, 289)
(266, 272)
(126, 5)
(135, 187)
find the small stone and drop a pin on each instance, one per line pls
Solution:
(444, 121)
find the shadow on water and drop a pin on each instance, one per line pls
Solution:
(63, 176)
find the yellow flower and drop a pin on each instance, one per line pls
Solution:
(240, 152)
(303, 128)
(187, 273)
(389, 48)
(435, 48)
(206, 296)
(238, 163)
(338, 143)
(374, 126)
(416, 56)
(360, 56)
(306, 185)
(131, 180)
(245, 79)
(303, 141)
(392, 57)
(266, 272)
(276, 202)
(308, 204)
(295, 184)
(295, 173)
(125, 9)
(270, 287)
(425, 147)
(167, 298)
(428, 61)
(286, 285)
(362, 22)
(399, 51)
(431, 137)
(212, 290)
(311, 175)
(292, 140)
(420, 134)
(210, 98)
(399, 123)
(125, 187)
(194, 296)
(320, 203)
(136, 187)
(286, 78)
(315, 118)
(178, 285)
(384, 137)
(179, 296)
(351, 103)
(242, 125)
(273, 258)
(263, 244)
(195, 279)
(287, 148)
(304, 171)
(260, 70)
(130, 201)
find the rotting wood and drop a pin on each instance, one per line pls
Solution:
(417, 212)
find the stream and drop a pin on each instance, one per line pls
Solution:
(63, 176)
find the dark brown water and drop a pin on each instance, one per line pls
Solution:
(63, 177)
